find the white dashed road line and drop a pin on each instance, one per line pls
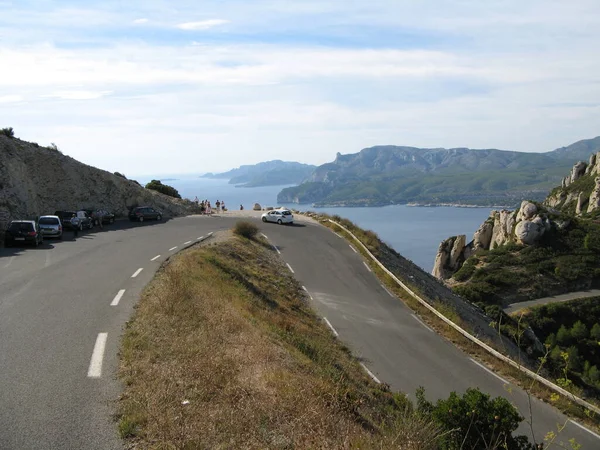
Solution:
(375, 379)
(489, 371)
(338, 235)
(387, 290)
(188, 242)
(117, 298)
(10, 261)
(335, 333)
(200, 238)
(155, 258)
(422, 323)
(172, 248)
(352, 247)
(277, 250)
(290, 267)
(584, 428)
(95, 369)
(367, 266)
(308, 293)
(264, 235)
(137, 272)
(210, 234)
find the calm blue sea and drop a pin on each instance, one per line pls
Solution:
(415, 232)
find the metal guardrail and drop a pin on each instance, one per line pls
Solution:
(472, 338)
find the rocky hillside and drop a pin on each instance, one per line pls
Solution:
(37, 180)
(391, 174)
(537, 250)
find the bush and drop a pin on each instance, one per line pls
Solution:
(8, 132)
(475, 421)
(245, 229)
(156, 185)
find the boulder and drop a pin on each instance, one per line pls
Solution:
(483, 236)
(578, 171)
(528, 232)
(580, 201)
(591, 164)
(594, 202)
(440, 270)
(526, 211)
(257, 207)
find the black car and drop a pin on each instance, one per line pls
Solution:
(85, 221)
(142, 213)
(107, 217)
(23, 232)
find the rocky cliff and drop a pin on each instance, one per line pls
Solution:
(37, 180)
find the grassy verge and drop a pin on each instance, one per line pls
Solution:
(224, 352)
(371, 241)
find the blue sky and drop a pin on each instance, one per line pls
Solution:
(146, 87)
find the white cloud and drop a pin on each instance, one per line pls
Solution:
(78, 95)
(140, 21)
(10, 98)
(202, 25)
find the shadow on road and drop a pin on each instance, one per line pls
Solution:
(69, 236)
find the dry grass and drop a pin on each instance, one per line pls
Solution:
(224, 352)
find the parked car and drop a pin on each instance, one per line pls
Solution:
(85, 221)
(107, 217)
(51, 226)
(279, 216)
(23, 232)
(142, 213)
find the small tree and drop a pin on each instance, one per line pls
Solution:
(156, 185)
(579, 331)
(563, 336)
(594, 375)
(245, 229)
(8, 132)
(595, 332)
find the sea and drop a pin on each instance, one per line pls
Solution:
(413, 231)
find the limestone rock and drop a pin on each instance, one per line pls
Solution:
(504, 222)
(591, 164)
(596, 169)
(594, 202)
(528, 232)
(526, 211)
(578, 170)
(483, 236)
(580, 202)
(257, 207)
(456, 252)
(440, 270)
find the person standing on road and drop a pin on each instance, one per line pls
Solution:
(99, 216)
(75, 223)
(218, 205)
(223, 206)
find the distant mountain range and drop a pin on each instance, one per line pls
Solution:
(391, 174)
(269, 173)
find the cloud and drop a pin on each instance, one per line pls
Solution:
(140, 21)
(10, 98)
(78, 95)
(202, 25)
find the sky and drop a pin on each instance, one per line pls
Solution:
(165, 86)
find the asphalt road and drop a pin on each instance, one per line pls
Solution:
(516, 307)
(58, 383)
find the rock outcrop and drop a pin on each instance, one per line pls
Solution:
(36, 180)
(594, 202)
(524, 226)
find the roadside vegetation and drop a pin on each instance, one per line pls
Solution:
(224, 351)
(156, 185)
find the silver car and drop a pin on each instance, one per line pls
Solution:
(279, 216)
(51, 226)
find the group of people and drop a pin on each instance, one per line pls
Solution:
(206, 206)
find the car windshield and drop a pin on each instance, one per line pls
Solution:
(21, 226)
(49, 221)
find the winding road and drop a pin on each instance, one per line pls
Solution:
(63, 306)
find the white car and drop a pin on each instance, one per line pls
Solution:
(279, 216)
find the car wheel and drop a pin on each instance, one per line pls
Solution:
(158, 217)
(141, 218)
(264, 219)
(279, 221)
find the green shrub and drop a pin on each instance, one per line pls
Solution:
(474, 420)
(156, 185)
(8, 132)
(245, 229)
